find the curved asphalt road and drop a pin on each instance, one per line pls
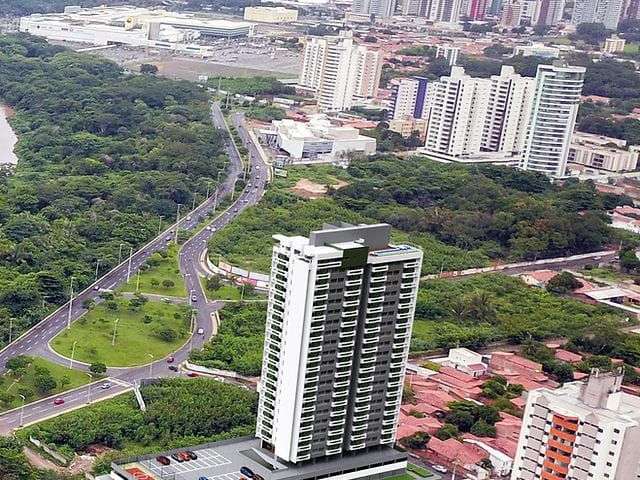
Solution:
(35, 341)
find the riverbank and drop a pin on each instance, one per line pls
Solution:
(8, 138)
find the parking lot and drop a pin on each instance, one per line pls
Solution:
(208, 460)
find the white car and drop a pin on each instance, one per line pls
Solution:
(105, 386)
(440, 468)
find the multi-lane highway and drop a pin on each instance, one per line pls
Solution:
(35, 342)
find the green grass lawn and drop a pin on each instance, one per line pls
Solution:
(418, 470)
(24, 382)
(160, 269)
(228, 291)
(138, 333)
(632, 48)
(607, 273)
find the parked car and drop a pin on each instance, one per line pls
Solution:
(185, 456)
(200, 331)
(440, 468)
(162, 460)
(203, 478)
(58, 401)
(246, 471)
(194, 298)
(192, 455)
(177, 457)
(192, 374)
(168, 239)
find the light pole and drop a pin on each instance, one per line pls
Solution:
(160, 226)
(209, 187)
(150, 366)
(89, 388)
(70, 304)
(115, 327)
(233, 189)
(73, 352)
(215, 201)
(129, 266)
(10, 329)
(177, 222)
(97, 267)
(193, 205)
(120, 253)
(22, 409)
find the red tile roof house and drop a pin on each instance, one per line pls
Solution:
(458, 383)
(408, 425)
(567, 356)
(519, 370)
(452, 452)
(508, 427)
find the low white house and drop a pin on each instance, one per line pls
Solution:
(502, 463)
(318, 140)
(466, 361)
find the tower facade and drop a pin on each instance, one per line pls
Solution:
(556, 98)
(339, 321)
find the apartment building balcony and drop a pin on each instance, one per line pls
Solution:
(339, 403)
(353, 283)
(378, 279)
(357, 271)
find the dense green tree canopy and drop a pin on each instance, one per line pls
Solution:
(102, 156)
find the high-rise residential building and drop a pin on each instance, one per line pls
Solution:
(477, 9)
(495, 7)
(456, 108)
(579, 431)
(379, 8)
(409, 96)
(339, 320)
(556, 98)
(550, 12)
(447, 11)
(414, 8)
(607, 12)
(508, 111)
(339, 70)
(449, 53)
(510, 17)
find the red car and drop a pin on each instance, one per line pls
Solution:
(58, 401)
(162, 460)
(192, 374)
(171, 359)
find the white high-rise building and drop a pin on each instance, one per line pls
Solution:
(409, 97)
(580, 431)
(607, 12)
(455, 110)
(339, 70)
(379, 8)
(554, 109)
(508, 112)
(339, 321)
(447, 11)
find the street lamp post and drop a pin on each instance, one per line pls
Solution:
(177, 222)
(73, 352)
(97, 267)
(115, 327)
(129, 266)
(22, 409)
(70, 304)
(160, 226)
(120, 253)
(89, 388)
(10, 329)
(151, 365)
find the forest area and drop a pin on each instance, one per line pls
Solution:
(104, 158)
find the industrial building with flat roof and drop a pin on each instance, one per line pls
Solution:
(139, 27)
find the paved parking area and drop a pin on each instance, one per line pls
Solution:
(207, 459)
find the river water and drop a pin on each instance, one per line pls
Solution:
(8, 140)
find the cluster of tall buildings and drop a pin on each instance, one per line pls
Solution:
(531, 12)
(529, 120)
(447, 11)
(339, 70)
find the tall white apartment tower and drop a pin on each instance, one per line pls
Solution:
(508, 111)
(379, 8)
(556, 98)
(339, 70)
(580, 431)
(339, 321)
(607, 12)
(456, 107)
